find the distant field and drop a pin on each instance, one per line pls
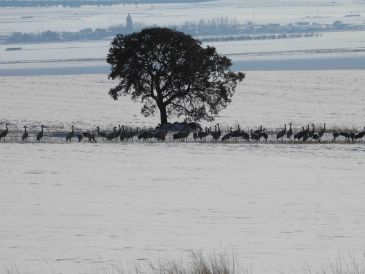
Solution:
(334, 50)
(271, 98)
(75, 18)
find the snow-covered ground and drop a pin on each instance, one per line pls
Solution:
(269, 98)
(332, 50)
(71, 208)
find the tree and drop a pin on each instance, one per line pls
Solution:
(173, 72)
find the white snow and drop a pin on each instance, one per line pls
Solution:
(337, 47)
(268, 98)
(70, 208)
(268, 11)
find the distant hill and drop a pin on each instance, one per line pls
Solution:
(78, 3)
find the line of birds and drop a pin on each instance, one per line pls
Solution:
(160, 134)
(302, 135)
(121, 133)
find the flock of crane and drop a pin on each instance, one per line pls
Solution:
(305, 134)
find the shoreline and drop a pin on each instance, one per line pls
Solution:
(84, 67)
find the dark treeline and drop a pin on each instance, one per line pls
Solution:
(260, 37)
(225, 26)
(79, 3)
(216, 29)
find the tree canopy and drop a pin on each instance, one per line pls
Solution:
(171, 71)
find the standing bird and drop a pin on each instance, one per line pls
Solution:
(131, 134)
(90, 136)
(25, 134)
(115, 134)
(5, 132)
(321, 133)
(217, 133)
(79, 137)
(195, 136)
(118, 132)
(185, 134)
(101, 133)
(306, 131)
(299, 134)
(245, 135)
(352, 136)
(335, 135)
(122, 134)
(112, 135)
(237, 133)
(182, 135)
(258, 131)
(360, 135)
(254, 136)
(227, 136)
(346, 135)
(281, 133)
(305, 137)
(264, 135)
(160, 135)
(305, 134)
(145, 135)
(316, 137)
(71, 134)
(203, 134)
(290, 132)
(311, 133)
(40, 134)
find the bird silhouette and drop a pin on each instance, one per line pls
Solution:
(4, 133)
(281, 133)
(71, 134)
(25, 134)
(290, 132)
(40, 134)
(217, 133)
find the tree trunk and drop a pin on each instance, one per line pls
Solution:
(163, 115)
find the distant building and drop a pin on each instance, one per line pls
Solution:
(129, 24)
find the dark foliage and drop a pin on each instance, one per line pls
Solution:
(171, 71)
